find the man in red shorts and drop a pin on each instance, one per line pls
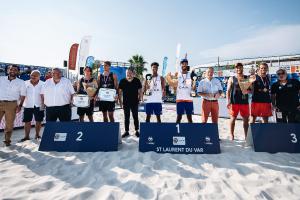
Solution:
(261, 99)
(237, 98)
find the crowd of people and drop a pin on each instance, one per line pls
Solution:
(55, 96)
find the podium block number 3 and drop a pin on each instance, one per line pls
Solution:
(294, 138)
(80, 134)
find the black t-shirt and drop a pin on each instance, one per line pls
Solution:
(287, 96)
(261, 90)
(130, 90)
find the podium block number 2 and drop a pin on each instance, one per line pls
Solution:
(294, 138)
(80, 134)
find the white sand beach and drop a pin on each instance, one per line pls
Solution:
(237, 173)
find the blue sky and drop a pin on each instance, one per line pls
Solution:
(41, 32)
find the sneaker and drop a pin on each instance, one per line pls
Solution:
(126, 134)
(137, 134)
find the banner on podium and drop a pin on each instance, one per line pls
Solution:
(184, 138)
(80, 137)
(274, 137)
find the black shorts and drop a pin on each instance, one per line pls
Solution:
(62, 113)
(105, 106)
(30, 112)
(86, 111)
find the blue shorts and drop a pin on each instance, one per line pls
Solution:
(184, 108)
(153, 108)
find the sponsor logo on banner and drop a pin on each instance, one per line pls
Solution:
(178, 140)
(60, 137)
(207, 140)
(150, 140)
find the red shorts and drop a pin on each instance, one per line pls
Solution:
(243, 109)
(261, 109)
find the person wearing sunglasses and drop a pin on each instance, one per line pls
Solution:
(285, 98)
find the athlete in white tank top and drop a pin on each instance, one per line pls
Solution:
(183, 85)
(156, 87)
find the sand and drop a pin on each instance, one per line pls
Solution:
(237, 173)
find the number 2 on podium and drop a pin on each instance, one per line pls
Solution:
(79, 139)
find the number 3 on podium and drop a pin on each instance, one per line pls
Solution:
(294, 138)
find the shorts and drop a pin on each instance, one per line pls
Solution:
(30, 112)
(185, 108)
(153, 108)
(261, 109)
(243, 109)
(107, 106)
(86, 111)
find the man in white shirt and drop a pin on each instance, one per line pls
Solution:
(210, 89)
(32, 105)
(12, 90)
(57, 94)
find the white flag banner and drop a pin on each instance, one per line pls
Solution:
(83, 51)
(177, 56)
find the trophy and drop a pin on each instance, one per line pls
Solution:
(193, 91)
(148, 79)
(172, 78)
(90, 88)
(244, 84)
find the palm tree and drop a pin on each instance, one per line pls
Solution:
(138, 62)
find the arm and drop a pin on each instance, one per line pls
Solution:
(42, 101)
(228, 92)
(163, 86)
(145, 87)
(22, 98)
(78, 86)
(273, 98)
(140, 91)
(71, 91)
(171, 82)
(116, 87)
(120, 97)
(140, 94)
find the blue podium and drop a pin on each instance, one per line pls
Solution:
(184, 138)
(275, 137)
(80, 136)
